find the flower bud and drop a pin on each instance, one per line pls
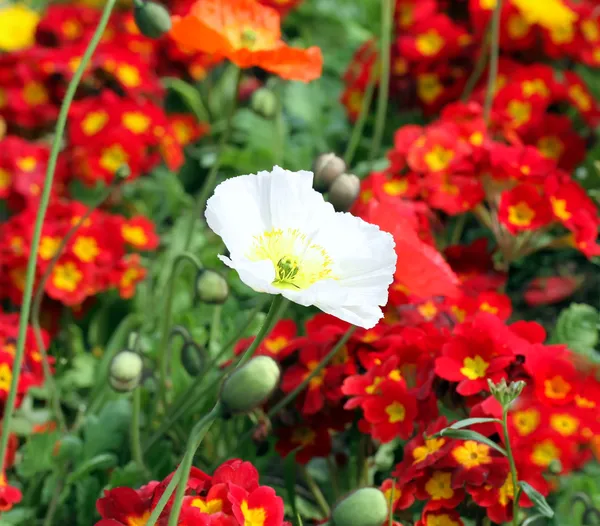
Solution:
(123, 172)
(251, 385)
(363, 507)
(327, 168)
(126, 371)
(264, 102)
(152, 19)
(344, 191)
(192, 358)
(211, 287)
(505, 393)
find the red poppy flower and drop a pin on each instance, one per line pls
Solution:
(248, 34)
(524, 208)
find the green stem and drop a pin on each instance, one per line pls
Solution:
(37, 302)
(322, 364)
(211, 178)
(39, 222)
(391, 503)
(198, 434)
(359, 125)
(316, 491)
(165, 326)
(479, 66)
(333, 477)
(192, 394)
(513, 466)
(384, 84)
(494, 58)
(279, 124)
(136, 446)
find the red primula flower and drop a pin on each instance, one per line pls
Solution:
(276, 344)
(248, 34)
(524, 208)
(139, 232)
(471, 463)
(259, 506)
(439, 518)
(554, 376)
(477, 351)
(437, 489)
(9, 495)
(551, 289)
(125, 506)
(403, 495)
(309, 440)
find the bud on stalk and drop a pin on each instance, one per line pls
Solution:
(211, 287)
(363, 507)
(152, 19)
(327, 168)
(344, 191)
(126, 371)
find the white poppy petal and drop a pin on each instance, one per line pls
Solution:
(285, 239)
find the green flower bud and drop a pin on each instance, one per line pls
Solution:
(251, 385)
(211, 287)
(555, 467)
(68, 448)
(363, 507)
(344, 191)
(152, 19)
(264, 102)
(192, 358)
(327, 168)
(126, 371)
(123, 172)
(505, 393)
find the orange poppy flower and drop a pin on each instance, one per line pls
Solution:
(248, 34)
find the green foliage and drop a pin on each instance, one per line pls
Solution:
(577, 326)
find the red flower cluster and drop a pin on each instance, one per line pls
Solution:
(231, 497)
(9, 495)
(96, 258)
(32, 373)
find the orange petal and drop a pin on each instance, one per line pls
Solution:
(193, 35)
(291, 63)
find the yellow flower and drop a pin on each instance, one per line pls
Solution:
(550, 14)
(17, 27)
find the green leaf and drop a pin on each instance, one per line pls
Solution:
(189, 95)
(18, 516)
(87, 492)
(289, 472)
(100, 462)
(467, 434)
(577, 327)
(130, 475)
(81, 375)
(109, 430)
(538, 499)
(530, 521)
(36, 455)
(467, 422)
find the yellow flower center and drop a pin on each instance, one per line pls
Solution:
(129, 277)
(535, 87)
(526, 421)
(303, 436)
(27, 164)
(5, 377)
(48, 247)
(520, 214)
(431, 446)
(429, 87)
(441, 520)
(519, 111)
(17, 26)
(439, 158)
(113, 158)
(428, 310)
(556, 388)
(507, 492)
(136, 122)
(208, 506)
(581, 98)
(395, 187)
(253, 517)
(86, 248)
(134, 235)
(472, 454)
(93, 122)
(518, 27)
(5, 179)
(298, 263)
(564, 424)
(67, 276)
(274, 345)
(590, 30)
(439, 486)
(559, 207)
(474, 368)
(128, 75)
(551, 147)
(550, 14)
(34, 93)
(544, 453)
(139, 520)
(429, 43)
(396, 412)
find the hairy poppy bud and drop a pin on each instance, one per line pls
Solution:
(327, 168)
(211, 287)
(152, 19)
(251, 385)
(363, 507)
(192, 358)
(264, 102)
(344, 191)
(126, 371)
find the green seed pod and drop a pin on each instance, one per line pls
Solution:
(192, 358)
(211, 287)
(251, 385)
(152, 19)
(363, 507)
(344, 191)
(126, 371)
(264, 102)
(68, 448)
(327, 168)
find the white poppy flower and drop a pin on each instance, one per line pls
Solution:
(284, 238)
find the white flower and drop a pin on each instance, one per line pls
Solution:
(284, 238)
